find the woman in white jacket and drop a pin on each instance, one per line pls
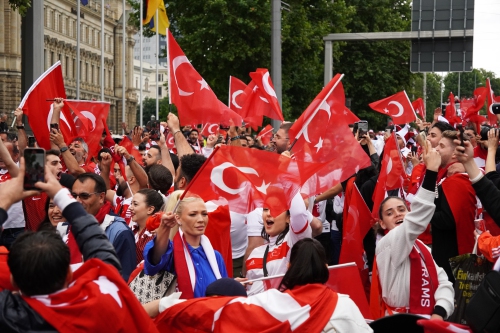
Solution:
(410, 281)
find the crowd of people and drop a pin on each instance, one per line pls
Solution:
(72, 246)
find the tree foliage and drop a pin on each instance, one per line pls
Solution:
(433, 91)
(149, 109)
(21, 5)
(375, 70)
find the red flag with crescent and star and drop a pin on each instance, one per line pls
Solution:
(392, 173)
(209, 129)
(260, 100)
(358, 223)
(418, 106)
(322, 135)
(195, 100)
(492, 118)
(96, 294)
(89, 119)
(241, 176)
(236, 94)
(37, 105)
(397, 106)
(266, 134)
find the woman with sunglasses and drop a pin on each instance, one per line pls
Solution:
(409, 279)
(145, 203)
(272, 258)
(190, 255)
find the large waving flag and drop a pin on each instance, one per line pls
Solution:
(321, 134)
(89, 121)
(303, 309)
(392, 173)
(451, 111)
(195, 100)
(96, 294)
(236, 94)
(242, 177)
(397, 106)
(37, 105)
(163, 22)
(492, 118)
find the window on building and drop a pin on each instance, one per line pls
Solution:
(159, 91)
(146, 84)
(93, 75)
(160, 77)
(136, 83)
(66, 67)
(45, 59)
(60, 23)
(44, 17)
(52, 58)
(74, 68)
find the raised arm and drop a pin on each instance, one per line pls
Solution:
(57, 141)
(181, 144)
(135, 167)
(10, 165)
(166, 160)
(21, 132)
(492, 150)
(56, 115)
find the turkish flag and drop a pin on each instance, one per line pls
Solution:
(195, 100)
(170, 141)
(219, 233)
(492, 118)
(397, 106)
(357, 224)
(237, 95)
(304, 309)
(451, 111)
(260, 100)
(110, 144)
(209, 129)
(266, 134)
(440, 326)
(418, 106)
(127, 144)
(39, 111)
(89, 121)
(97, 300)
(392, 173)
(322, 135)
(471, 106)
(243, 178)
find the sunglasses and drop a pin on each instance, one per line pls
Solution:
(83, 195)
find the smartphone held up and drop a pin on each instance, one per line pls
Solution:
(34, 159)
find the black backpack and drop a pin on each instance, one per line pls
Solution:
(483, 311)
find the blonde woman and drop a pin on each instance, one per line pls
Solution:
(190, 255)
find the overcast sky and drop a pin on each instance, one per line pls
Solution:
(486, 52)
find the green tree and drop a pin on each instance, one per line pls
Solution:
(374, 70)
(233, 37)
(469, 81)
(149, 109)
(433, 99)
(21, 5)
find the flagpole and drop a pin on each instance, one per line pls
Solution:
(123, 64)
(168, 67)
(102, 50)
(157, 62)
(308, 121)
(140, 57)
(78, 49)
(229, 93)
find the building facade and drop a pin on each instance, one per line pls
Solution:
(60, 44)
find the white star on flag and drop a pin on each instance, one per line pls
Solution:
(263, 188)
(386, 110)
(319, 145)
(108, 287)
(204, 84)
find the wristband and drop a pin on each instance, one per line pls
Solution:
(63, 149)
(63, 198)
(130, 159)
(175, 133)
(235, 138)
(477, 178)
(20, 126)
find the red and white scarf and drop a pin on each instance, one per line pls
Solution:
(184, 266)
(423, 280)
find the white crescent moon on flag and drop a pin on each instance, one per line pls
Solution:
(171, 141)
(91, 117)
(491, 102)
(176, 63)
(62, 117)
(217, 177)
(233, 98)
(325, 107)
(267, 86)
(400, 107)
(210, 128)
